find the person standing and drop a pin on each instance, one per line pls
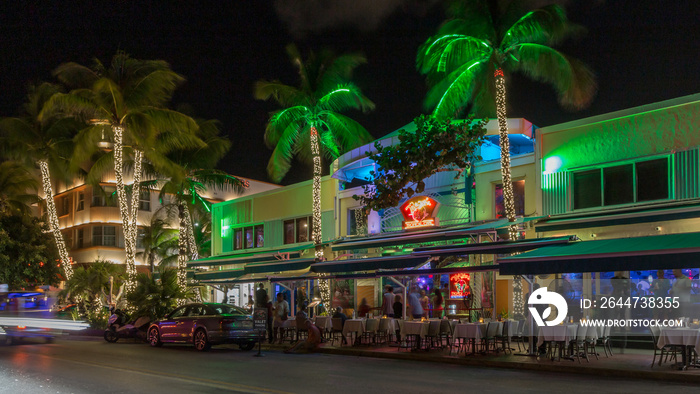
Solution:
(261, 297)
(425, 304)
(414, 303)
(281, 308)
(398, 307)
(438, 303)
(388, 301)
(681, 289)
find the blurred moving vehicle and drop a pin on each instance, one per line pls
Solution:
(119, 327)
(205, 325)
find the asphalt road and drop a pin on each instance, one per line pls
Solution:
(72, 366)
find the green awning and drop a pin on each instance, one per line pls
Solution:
(223, 274)
(251, 257)
(369, 264)
(435, 235)
(620, 254)
(278, 266)
(500, 247)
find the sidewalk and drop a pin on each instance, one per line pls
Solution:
(625, 363)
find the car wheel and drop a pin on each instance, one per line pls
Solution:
(154, 337)
(111, 336)
(201, 342)
(247, 346)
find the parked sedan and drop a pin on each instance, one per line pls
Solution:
(205, 325)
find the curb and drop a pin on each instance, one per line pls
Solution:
(476, 362)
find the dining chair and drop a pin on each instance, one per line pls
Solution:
(668, 350)
(370, 333)
(580, 343)
(336, 330)
(490, 337)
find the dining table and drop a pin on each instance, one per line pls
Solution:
(687, 339)
(561, 333)
(472, 332)
(416, 329)
(354, 327)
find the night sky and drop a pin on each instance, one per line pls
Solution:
(643, 52)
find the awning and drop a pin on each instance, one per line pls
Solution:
(368, 264)
(621, 254)
(252, 257)
(404, 238)
(247, 278)
(499, 247)
(223, 274)
(290, 276)
(278, 266)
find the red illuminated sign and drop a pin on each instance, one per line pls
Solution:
(419, 212)
(459, 285)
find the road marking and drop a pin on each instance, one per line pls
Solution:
(184, 378)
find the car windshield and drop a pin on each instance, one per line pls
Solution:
(223, 309)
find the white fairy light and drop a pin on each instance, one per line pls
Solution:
(508, 198)
(316, 197)
(53, 219)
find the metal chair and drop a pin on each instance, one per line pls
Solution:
(370, 333)
(668, 350)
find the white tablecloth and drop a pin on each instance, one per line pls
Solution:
(679, 336)
(354, 325)
(470, 331)
(323, 322)
(419, 328)
(388, 324)
(563, 332)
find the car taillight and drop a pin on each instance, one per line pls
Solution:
(226, 322)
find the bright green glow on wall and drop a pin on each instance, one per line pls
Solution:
(225, 228)
(552, 164)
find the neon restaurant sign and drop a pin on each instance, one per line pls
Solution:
(419, 212)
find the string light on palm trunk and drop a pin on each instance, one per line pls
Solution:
(518, 301)
(316, 193)
(53, 219)
(508, 198)
(182, 246)
(130, 282)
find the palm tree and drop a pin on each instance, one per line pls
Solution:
(47, 143)
(93, 285)
(193, 176)
(156, 297)
(310, 122)
(126, 102)
(467, 62)
(159, 243)
(18, 187)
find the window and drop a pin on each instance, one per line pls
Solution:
(145, 200)
(81, 201)
(63, 205)
(104, 198)
(81, 237)
(140, 237)
(104, 236)
(298, 230)
(518, 197)
(622, 184)
(249, 237)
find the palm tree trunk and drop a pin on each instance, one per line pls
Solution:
(191, 244)
(129, 241)
(316, 197)
(182, 246)
(53, 219)
(508, 198)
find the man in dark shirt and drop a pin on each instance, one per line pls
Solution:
(261, 297)
(339, 314)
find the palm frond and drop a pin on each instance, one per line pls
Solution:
(281, 160)
(284, 95)
(574, 81)
(547, 25)
(443, 53)
(155, 88)
(86, 144)
(281, 120)
(347, 133)
(344, 97)
(75, 76)
(456, 90)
